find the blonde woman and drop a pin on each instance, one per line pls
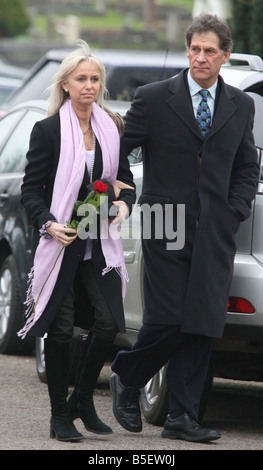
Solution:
(75, 281)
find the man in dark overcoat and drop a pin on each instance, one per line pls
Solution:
(206, 160)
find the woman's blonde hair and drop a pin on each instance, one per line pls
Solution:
(58, 95)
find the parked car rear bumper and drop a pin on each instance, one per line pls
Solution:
(247, 283)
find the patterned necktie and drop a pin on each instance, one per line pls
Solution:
(203, 116)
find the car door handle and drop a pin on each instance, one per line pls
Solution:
(129, 256)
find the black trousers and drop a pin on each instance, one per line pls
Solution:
(188, 357)
(104, 326)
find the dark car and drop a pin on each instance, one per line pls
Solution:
(7, 86)
(8, 70)
(11, 78)
(126, 70)
(15, 234)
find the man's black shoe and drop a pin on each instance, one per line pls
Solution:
(126, 407)
(186, 428)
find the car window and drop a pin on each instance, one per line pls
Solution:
(4, 93)
(135, 156)
(123, 81)
(13, 155)
(258, 134)
(6, 125)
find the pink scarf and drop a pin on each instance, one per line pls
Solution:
(69, 177)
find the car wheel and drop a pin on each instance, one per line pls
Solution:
(11, 311)
(154, 398)
(40, 360)
(76, 349)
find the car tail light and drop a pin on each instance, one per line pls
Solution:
(239, 305)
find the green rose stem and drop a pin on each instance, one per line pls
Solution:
(95, 199)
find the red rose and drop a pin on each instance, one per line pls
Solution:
(100, 187)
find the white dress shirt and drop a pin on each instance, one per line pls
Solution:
(194, 89)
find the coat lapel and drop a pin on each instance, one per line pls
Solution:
(180, 102)
(225, 108)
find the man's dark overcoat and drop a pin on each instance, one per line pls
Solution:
(37, 189)
(215, 179)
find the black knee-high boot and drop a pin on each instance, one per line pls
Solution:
(81, 400)
(57, 360)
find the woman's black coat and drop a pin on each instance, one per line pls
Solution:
(215, 180)
(37, 188)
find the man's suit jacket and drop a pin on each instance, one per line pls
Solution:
(215, 179)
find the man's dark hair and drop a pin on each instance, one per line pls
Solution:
(206, 23)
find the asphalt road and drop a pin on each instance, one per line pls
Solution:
(235, 409)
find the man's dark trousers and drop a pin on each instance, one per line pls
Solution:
(188, 356)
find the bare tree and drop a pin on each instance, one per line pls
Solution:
(150, 14)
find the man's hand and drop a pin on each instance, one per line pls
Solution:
(119, 185)
(122, 212)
